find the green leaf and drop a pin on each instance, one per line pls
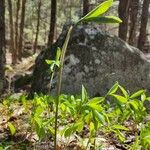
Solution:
(113, 89)
(105, 19)
(120, 127)
(51, 130)
(143, 97)
(99, 10)
(121, 99)
(69, 131)
(38, 121)
(100, 117)
(120, 135)
(92, 128)
(49, 62)
(137, 94)
(95, 107)
(96, 100)
(84, 94)
(58, 54)
(134, 104)
(125, 93)
(148, 98)
(12, 128)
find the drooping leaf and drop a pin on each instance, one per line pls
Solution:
(119, 98)
(137, 94)
(99, 10)
(105, 19)
(134, 104)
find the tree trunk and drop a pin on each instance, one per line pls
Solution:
(123, 11)
(16, 25)
(144, 21)
(85, 7)
(133, 21)
(37, 28)
(11, 26)
(52, 22)
(20, 44)
(2, 44)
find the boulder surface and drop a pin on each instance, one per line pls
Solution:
(96, 60)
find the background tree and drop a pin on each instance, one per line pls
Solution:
(123, 11)
(85, 7)
(52, 22)
(134, 9)
(11, 28)
(20, 44)
(16, 25)
(37, 27)
(144, 21)
(2, 44)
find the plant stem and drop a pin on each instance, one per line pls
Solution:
(64, 49)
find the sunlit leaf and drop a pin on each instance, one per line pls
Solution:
(119, 98)
(125, 93)
(96, 100)
(134, 104)
(119, 127)
(12, 128)
(49, 62)
(58, 54)
(113, 89)
(105, 19)
(99, 10)
(137, 94)
(84, 94)
(100, 117)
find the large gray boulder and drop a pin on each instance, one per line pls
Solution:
(96, 60)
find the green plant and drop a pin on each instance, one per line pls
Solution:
(93, 16)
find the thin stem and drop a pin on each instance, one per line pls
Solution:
(64, 49)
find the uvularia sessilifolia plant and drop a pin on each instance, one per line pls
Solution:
(96, 15)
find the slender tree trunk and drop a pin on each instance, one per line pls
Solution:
(144, 21)
(37, 28)
(16, 25)
(133, 21)
(123, 11)
(20, 44)
(11, 26)
(52, 22)
(85, 7)
(2, 45)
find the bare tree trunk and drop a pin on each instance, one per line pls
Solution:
(144, 21)
(133, 21)
(85, 7)
(2, 45)
(11, 26)
(16, 25)
(123, 11)
(52, 22)
(37, 27)
(20, 44)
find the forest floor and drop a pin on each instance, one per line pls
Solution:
(18, 113)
